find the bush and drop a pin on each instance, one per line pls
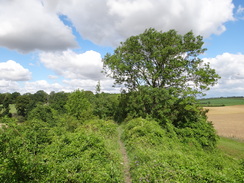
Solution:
(36, 151)
(156, 157)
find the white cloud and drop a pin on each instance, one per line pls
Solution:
(71, 65)
(240, 12)
(90, 85)
(240, 9)
(32, 87)
(8, 86)
(52, 77)
(230, 68)
(27, 26)
(12, 71)
(107, 22)
(81, 71)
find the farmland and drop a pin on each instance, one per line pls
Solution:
(228, 120)
(217, 102)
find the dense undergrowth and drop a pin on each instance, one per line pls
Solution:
(157, 155)
(88, 151)
(36, 151)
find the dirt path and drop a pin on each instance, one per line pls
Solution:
(127, 176)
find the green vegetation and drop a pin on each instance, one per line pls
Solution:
(232, 147)
(37, 151)
(157, 155)
(73, 137)
(218, 102)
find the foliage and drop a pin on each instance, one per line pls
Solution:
(58, 100)
(40, 97)
(160, 104)
(42, 112)
(36, 151)
(105, 105)
(156, 156)
(78, 105)
(24, 104)
(160, 60)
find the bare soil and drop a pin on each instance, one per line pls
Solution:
(228, 120)
(127, 177)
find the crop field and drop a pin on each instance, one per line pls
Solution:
(217, 102)
(228, 120)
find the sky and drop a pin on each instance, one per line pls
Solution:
(58, 45)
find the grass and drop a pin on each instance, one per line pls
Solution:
(12, 109)
(218, 102)
(232, 147)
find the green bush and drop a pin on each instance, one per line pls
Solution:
(158, 156)
(36, 151)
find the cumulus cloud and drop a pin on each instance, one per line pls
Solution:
(240, 12)
(8, 86)
(81, 71)
(34, 86)
(230, 68)
(104, 22)
(90, 85)
(12, 71)
(72, 65)
(107, 22)
(28, 25)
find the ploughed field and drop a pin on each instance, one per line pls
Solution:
(228, 120)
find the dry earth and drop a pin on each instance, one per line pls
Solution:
(228, 120)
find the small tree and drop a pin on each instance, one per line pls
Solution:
(78, 105)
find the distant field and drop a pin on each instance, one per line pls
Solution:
(228, 120)
(217, 102)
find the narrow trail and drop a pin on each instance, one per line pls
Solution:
(126, 164)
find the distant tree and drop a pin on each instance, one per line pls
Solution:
(105, 105)
(40, 97)
(43, 113)
(78, 105)
(98, 88)
(24, 104)
(5, 108)
(14, 97)
(58, 100)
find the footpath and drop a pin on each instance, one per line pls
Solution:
(126, 164)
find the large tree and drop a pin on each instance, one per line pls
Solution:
(161, 60)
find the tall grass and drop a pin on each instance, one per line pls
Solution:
(232, 147)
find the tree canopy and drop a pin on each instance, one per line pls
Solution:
(161, 60)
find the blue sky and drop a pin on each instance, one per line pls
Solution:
(58, 45)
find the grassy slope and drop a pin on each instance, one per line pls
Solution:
(221, 102)
(232, 147)
(157, 157)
